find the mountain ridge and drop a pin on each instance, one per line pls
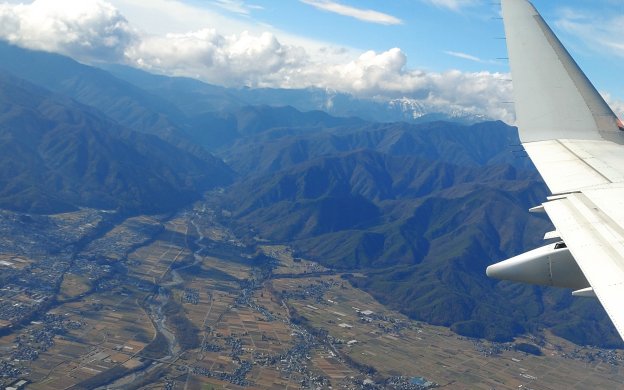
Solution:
(196, 94)
(58, 155)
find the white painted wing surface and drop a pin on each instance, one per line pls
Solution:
(575, 141)
(553, 97)
(590, 223)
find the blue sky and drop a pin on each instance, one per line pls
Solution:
(429, 33)
(426, 32)
(440, 52)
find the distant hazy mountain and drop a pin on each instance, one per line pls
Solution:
(179, 109)
(57, 155)
(120, 100)
(217, 131)
(195, 97)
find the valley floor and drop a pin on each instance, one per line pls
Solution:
(181, 303)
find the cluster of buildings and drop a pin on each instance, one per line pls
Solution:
(238, 377)
(40, 337)
(10, 370)
(190, 295)
(27, 290)
(392, 383)
(118, 242)
(92, 269)
(36, 235)
(595, 355)
(30, 344)
(210, 347)
(38, 251)
(489, 349)
(313, 291)
(236, 345)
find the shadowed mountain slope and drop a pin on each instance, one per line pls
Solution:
(121, 101)
(481, 144)
(420, 210)
(57, 155)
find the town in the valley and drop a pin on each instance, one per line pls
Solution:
(90, 299)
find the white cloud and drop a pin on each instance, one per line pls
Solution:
(262, 61)
(477, 93)
(616, 105)
(237, 6)
(365, 15)
(88, 29)
(463, 56)
(95, 30)
(385, 75)
(164, 17)
(233, 60)
(370, 74)
(454, 5)
(598, 31)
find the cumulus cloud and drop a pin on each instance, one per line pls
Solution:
(94, 30)
(482, 93)
(242, 59)
(370, 74)
(87, 29)
(385, 75)
(616, 105)
(365, 15)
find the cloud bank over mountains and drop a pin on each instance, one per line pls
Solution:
(95, 31)
(87, 30)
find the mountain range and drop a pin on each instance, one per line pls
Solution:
(411, 212)
(192, 96)
(421, 211)
(58, 155)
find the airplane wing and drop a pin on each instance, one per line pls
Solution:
(576, 142)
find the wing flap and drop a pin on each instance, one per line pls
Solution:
(596, 240)
(561, 169)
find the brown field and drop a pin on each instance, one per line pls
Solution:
(72, 286)
(440, 355)
(109, 337)
(14, 261)
(120, 322)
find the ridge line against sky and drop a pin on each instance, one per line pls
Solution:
(441, 53)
